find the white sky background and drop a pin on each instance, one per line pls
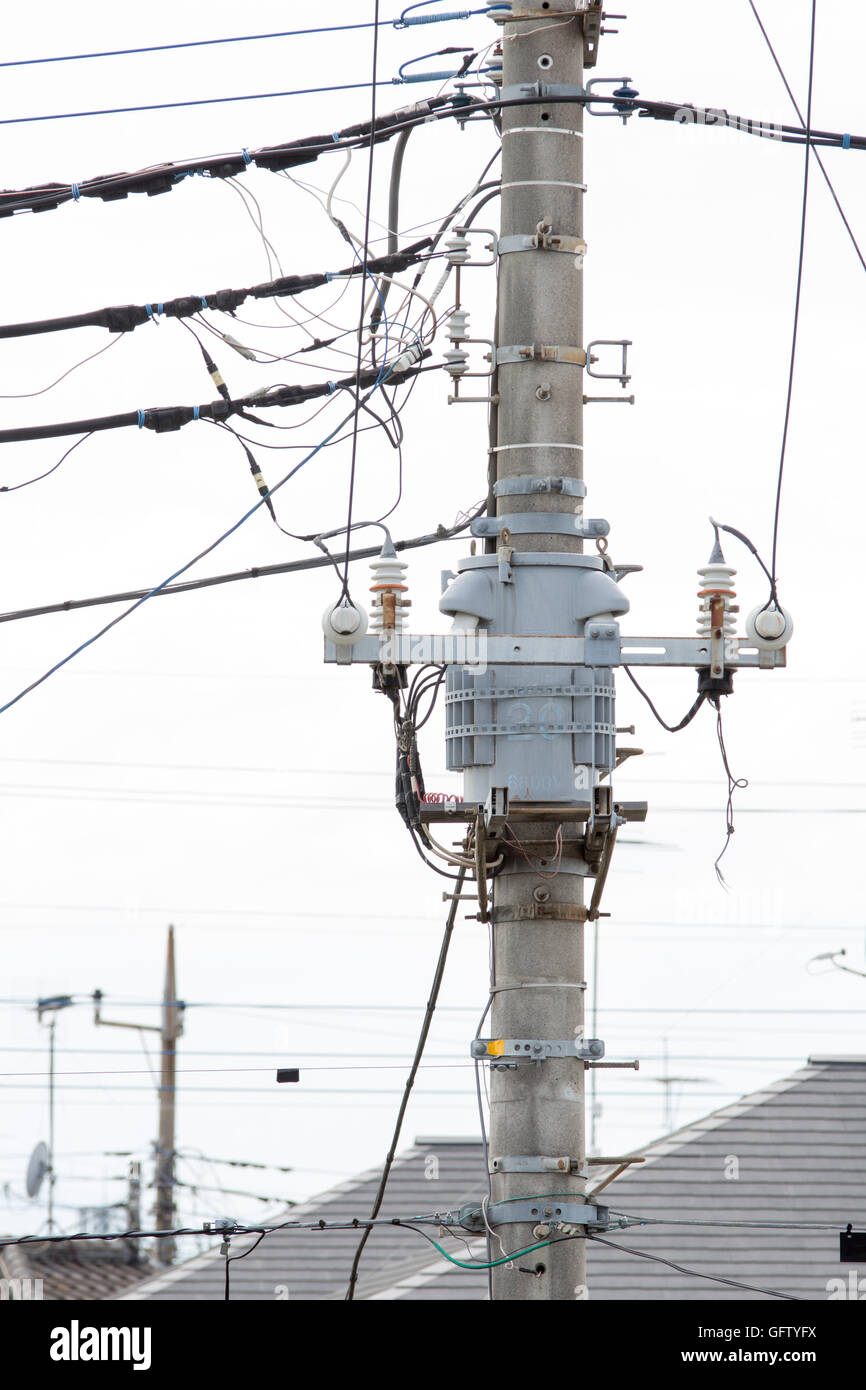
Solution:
(199, 765)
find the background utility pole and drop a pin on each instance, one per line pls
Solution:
(169, 1031)
(539, 1110)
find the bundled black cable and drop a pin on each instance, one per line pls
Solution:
(173, 417)
(123, 318)
(161, 178)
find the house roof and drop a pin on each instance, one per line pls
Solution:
(793, 1153)
(76, 1270)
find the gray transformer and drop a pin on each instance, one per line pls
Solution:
(543, 733)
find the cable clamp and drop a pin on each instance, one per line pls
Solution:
(540, 352)
(531, 1163)
(508, 1051)
(531, 1212)
(545, 91)
(247, 157)
(846, 142)
(531, 523)
(525, 486)
(547, 240)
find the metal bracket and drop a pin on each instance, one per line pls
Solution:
(622, 376)
(529, 1163)
(528, 523)
(476, 231)
(543, 241)
(624, 107)
(536, 1049)
(545, 91)
(540, 912)
(602, 644)
(525, 486)
(540, 352)
(519, 649)
(532, 1211)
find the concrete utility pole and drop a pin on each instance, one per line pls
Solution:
(537, 1111)
(169, 1031)
(172, 1028)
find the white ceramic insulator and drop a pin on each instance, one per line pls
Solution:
(456, 361)
(389, 576)
(719, 581)
(458, 248)
(458, 325)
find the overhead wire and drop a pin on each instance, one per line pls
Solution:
(407, 1091)
(162, 178)
(259, 572)
(815, 155)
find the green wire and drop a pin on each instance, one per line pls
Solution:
(515, 1254)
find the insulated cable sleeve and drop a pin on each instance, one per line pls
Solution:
(123, 318)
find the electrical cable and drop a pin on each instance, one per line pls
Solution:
(15, 487)
(162, 178)
(815, 154)
(734, 784)
(123, 318)
(162, 419)
(695, 1273)
(671, 728)
(399, 23)
(365, 258)
(182, 570)
(28, 395)
(789, 393)
(419, 1052)
(230, 1259)
(259, 572)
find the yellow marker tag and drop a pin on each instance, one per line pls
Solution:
(496, 1047)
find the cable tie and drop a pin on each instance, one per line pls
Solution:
(846, 142)
(204, 303)
(248, 159)
(195, 411)
(336, 136)
(332, 386)
(76, 191)
(160, 309)
(141, 419)
(148, 310)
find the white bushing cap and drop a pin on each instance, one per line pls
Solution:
(344, 623)
(769, 628)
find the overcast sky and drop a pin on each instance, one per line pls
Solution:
(199, 765)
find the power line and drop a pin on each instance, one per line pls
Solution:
(816, 155)
(410, 1080)
(789, 394)
(124, 318)
(189, 564)
(399, 23)
(169, 419)
(694, 1273)
(163, 177)
(442, 533)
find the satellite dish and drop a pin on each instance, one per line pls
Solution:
(39, 1165)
